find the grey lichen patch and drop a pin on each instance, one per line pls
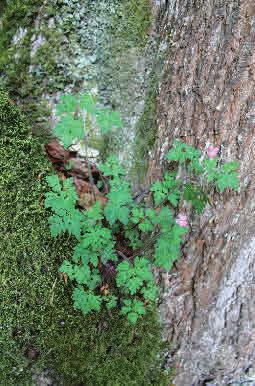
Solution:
(73, 45)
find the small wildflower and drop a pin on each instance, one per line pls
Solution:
(182, 220)
(212, 151)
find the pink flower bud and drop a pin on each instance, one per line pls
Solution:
(212, 151)
(182, 220)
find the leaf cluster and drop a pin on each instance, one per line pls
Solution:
(102, 275)
(76, 111)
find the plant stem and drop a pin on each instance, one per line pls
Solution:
(91, 180)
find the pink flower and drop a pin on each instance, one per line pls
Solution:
(182, 220)
(212, 151)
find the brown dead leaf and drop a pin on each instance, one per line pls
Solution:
(56, 152)
(64, 277)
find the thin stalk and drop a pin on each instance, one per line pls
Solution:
(91, 180)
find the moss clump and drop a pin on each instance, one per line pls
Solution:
(15, 14)
(132, 22)
(146, 128)
(39, 328)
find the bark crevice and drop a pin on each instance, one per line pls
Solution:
(207, 96)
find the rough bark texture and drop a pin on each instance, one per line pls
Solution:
(207, 96)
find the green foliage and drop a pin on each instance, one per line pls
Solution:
(196, 196)
(101, 232)
(117, 207)
(69, 130)
(107, 119)
(76, 113)
(225, 176)
(167, 190)
(182, 152)
(36, 312)
(132, 308)
(62, 202)
(133, 277)
(86, 301)
(112, 168)
(168, 247)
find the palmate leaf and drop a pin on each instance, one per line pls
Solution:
(132, 278)
(159, 192)
(73, 223)
(111, 301)
(166, 252)
(230, 180)
(116, 208)
(138, 307)
(195, 166)
(88, 103)
(112, 168)
(69, 130)
(62, 202)
(90, 257)
(133, 317)
(95, 239)
(174, 197)
(139, 217)
(167, 189)
(165, 219)
(150, 292)
(228, 176)
(107, 120)
(67, 104)
(134, 238)
(86, 301)
(94, 214)
(196, 196)
(116, 213)
(108, 254)
(57, 225)
(67, 268)
(81, 273)
(182, 152)
(132, 308)
(95, 243)
(231, 166)
(224, 176)
(146, 226)
(168, 247)
(210, 167)
(54, 183)
(138, 214)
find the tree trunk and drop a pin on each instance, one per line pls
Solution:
(207, 96)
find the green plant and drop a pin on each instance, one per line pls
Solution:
(105, 274)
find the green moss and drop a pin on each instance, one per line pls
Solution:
(17, 65)
(132, 23)
(146, 129)
(36, 313)
(22, 12)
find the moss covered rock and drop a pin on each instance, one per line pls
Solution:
(39, 328)
(53, 47)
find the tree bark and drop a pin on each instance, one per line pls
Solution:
(207, 96)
